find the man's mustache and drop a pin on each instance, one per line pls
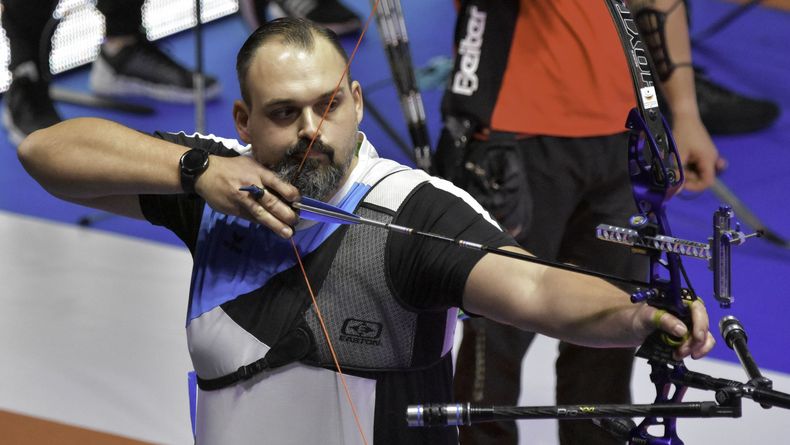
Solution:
(299, 150)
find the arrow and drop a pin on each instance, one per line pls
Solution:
(315, 210)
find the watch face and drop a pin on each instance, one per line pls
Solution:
(195, 161)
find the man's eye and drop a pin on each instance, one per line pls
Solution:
(330, 105)
(282, 113)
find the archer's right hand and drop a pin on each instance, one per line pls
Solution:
(219, 186)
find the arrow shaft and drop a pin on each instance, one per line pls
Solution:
(351, 218)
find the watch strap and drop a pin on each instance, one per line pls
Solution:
(191, 165)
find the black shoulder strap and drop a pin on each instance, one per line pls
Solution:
(294, 346)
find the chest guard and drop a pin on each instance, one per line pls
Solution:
(371, 328)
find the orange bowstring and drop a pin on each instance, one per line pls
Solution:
(293, 243)
(329, 342)
(337, 88)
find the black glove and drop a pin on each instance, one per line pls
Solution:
(493, 173)
(448, 160)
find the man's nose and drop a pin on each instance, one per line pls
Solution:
(308, 127)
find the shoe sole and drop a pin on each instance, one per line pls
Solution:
(15, 135)
(106, 82)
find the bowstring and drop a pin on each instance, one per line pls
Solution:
(329, 342)
(293, 243)
(337, 88)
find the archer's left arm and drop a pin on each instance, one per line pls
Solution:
(673, 62)
(573, 307)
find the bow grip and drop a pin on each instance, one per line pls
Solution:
(660, 346)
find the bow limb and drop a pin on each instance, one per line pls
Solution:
(656, 176)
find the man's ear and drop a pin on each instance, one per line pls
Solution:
(356, 93)
(241, 118)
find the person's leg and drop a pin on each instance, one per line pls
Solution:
(589, 375)
(253, 12)
(606, 198)
(130, 65)
(27, 106)
(488, 369)
(122, 18)
(331, 14)
(24, 21)
(488, 372)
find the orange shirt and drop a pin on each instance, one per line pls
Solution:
(566, 73)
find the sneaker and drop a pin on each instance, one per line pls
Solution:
(142, 69)
(328, 13)
(27, 106)
(727, 112)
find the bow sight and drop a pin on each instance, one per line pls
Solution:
(643, 239)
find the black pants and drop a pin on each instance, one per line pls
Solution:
(576, 184)
(24, 22)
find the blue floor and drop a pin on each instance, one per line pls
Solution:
(748, 56)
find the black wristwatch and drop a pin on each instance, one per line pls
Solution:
(192, 164)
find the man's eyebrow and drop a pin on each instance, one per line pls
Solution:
(280, 102)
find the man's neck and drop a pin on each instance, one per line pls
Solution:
(345, 178)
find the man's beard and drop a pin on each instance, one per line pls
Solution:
(315, 180)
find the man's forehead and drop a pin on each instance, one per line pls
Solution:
(276, 51)
(279, 65)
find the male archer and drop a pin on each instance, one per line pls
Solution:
(389, 302)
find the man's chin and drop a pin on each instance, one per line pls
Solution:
(317, 181)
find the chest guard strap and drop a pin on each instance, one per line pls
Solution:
(295, 346)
